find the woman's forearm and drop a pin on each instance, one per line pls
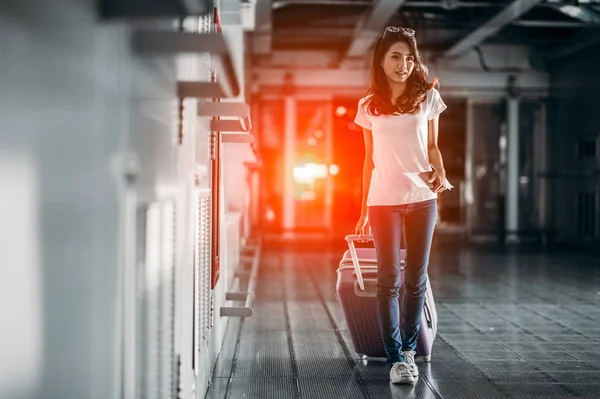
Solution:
(367, 173)
(435, 160)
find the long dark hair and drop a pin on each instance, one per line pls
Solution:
(416, 85)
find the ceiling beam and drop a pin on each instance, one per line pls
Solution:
(323, 33)
(553, 24)
(508, 15)
(284, 3)
(580, 13)
(263, 29)
(357, 80)
(372, 27)
(448, 5)
(451, 4)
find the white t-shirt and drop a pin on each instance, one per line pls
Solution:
(399, 147)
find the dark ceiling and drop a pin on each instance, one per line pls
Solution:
(444, 27)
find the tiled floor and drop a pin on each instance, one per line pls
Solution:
(511, 325)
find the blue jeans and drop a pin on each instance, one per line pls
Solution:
(387, 224)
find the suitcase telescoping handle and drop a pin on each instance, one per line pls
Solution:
(350, 238)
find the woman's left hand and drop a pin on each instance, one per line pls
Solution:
(438, 182)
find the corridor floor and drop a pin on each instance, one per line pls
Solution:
(511, 325)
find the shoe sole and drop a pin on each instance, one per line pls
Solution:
(404, 381)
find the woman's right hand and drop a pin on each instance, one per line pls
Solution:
(363, 227)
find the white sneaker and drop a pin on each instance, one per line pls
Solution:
(409, 358)
(400, 374)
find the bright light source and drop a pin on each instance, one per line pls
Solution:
(308, 196)
(341, 111)
(309, 172)
(334, 169)
(318, 133)
(270, 214)
(502, 142)
(311, 141)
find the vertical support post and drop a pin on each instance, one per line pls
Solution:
(502, 173)
(512, 175)
(215, 163)
(289, 150)
(256, 195)
(329, 157)
(541, 153)
(469, 196)
(126, 323)
(254, 200)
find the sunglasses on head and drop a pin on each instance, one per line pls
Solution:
(397, 29)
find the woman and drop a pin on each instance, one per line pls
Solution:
(400, 118)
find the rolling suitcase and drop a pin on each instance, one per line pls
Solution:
(357, 294)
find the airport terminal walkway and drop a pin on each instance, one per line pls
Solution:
(511, 325)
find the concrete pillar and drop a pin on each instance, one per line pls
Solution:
(512, 172)
(289, 151)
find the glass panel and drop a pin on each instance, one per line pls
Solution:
(528, 216)
(311, 165)
(271, 129)
(451, 141)
(487, 127)
(348, 156)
